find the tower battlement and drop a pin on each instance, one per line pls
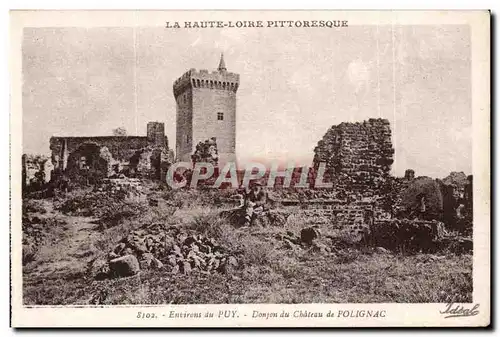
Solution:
(221, 80)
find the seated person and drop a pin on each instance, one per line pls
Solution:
(255, 202)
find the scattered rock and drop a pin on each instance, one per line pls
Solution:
(382, 250)
(320, 247)
(186, 267)
(426, 258)
(124, 266)
(172, 260)
(146, 260)
(289, 244)
(156, 264)
(119, 248)
(231, 261)
(228, 266)
(309, 234)
(141, 248)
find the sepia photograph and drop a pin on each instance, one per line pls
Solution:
(324, 163)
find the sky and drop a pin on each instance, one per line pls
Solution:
(295, 83)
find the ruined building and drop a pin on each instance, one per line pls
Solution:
(36, 171)
(108, 155)
(206, 109)
(358, 156)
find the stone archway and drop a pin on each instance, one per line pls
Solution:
(89, 159)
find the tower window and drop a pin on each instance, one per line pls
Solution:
(220, 116)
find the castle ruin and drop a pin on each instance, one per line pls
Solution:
(206, 109)
(109, 155)
(358, 156)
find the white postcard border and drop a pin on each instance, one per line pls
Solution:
(396, 314)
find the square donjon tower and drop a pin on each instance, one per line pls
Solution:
(206, 108)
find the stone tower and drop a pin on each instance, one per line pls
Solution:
(206, 108)
(156, 134)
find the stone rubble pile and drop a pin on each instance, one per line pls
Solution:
(121, 188)
(171, 250)
(413, 233)
(417, 235)
(457, 244)
(384, 236)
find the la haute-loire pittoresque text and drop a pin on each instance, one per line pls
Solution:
(259, 24)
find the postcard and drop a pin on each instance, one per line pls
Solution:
(250, 168)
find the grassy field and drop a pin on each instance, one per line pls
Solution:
(268, 271)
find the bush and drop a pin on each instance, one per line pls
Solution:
(109, 209)
(30, 253)
(111, 215)
(37, 232)
(199, 197)
(208, 223)
(81, 203)
(32, 206)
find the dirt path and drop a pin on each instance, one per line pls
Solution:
(67, 250)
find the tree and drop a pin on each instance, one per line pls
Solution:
(119, 132)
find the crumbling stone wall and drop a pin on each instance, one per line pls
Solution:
(334, 212)
(358, 156)
(89, 162)
(156, 134)
(161, 159)
(120, 147)
(425, 198)
(150, 162)
(457, 201)
(405, 234)
(109, 155)
(206, 152)
(36, 171)
(141, 161)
